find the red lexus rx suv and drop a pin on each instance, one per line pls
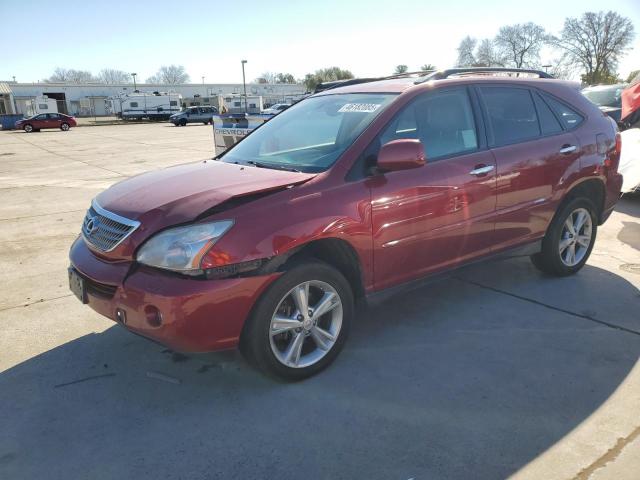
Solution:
(352, 193)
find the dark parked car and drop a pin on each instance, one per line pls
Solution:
(349, 195)
(46, 120)
(193, 115)
(608, 98)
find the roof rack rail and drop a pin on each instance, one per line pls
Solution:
(354, 81)
(442, 74)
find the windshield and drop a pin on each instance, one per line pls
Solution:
(311, 135)
(610, 97)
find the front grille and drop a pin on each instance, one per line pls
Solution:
(106, 230)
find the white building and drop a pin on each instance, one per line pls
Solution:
(89, 99)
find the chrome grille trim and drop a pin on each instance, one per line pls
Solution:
(105, 230)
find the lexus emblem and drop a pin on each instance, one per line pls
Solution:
(92, 225)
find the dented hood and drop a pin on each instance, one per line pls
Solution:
(180, 194)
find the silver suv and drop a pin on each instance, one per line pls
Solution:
(193, 115)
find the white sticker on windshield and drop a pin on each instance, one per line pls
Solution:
(360, 107)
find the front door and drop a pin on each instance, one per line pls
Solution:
(433, 217)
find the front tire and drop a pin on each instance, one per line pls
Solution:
(64, 127)
(28, 128)
(285, 341)
(569, 239)
(182, 122)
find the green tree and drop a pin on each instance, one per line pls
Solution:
(401, 69)
(428, 66)
(311, 80)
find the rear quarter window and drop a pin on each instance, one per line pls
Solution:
(568, 117)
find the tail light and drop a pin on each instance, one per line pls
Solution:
(613, 159)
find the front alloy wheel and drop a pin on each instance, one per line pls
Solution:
(306, 324)
(64, 127)
(300, 324)
(28, 128)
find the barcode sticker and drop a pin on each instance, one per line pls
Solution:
(360, 107)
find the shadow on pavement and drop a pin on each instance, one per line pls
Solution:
(455, 380)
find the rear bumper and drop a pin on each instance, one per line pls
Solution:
(194, 315)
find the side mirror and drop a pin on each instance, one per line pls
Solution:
(402, 154)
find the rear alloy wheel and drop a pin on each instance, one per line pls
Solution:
(569, 240)
(28, 128)
(64, 127)
(300, 325)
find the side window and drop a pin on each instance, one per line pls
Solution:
(548, 122)
(511, 114)
(134, 104)
(568, 117)
(173, 103)
(442, 121)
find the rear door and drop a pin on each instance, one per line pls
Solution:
(439, 215)
(533, 153)
(55, 120)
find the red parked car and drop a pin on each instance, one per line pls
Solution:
(350, 194)
(46, 120)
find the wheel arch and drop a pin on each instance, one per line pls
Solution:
(592, 188)
(336, 252)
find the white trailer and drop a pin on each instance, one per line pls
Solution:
(41, 104)
(139, 105)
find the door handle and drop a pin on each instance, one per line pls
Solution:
(567, 149)
(481, 170)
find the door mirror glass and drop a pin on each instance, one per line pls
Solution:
(402, 154)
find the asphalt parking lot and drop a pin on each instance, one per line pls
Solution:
(497, 371)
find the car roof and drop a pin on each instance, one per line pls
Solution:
(400, 85)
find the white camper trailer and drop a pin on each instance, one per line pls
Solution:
(42, 104)
(139, 105)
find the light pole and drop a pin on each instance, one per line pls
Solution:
(244, 86)
(134, 81)
(546, 68)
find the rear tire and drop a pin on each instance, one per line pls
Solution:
(569, 239)
(280, 341)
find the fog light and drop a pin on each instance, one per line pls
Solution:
(153, 315)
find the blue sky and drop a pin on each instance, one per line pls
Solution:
(210, 38)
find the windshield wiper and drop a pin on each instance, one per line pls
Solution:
(273, 166)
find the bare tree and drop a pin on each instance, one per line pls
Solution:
(401, 69)
(270, 77)
(520, 44)
(172, 74)
(113, 76)
(487, 55)
(596, 41)
(69, 75)
(466, 57)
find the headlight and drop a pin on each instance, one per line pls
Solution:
(181, 249)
